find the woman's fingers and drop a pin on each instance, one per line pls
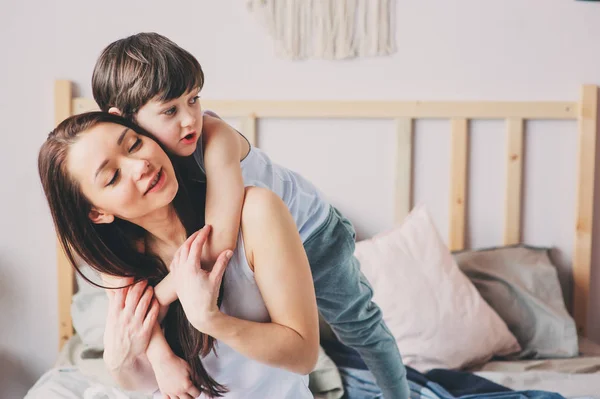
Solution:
(143, 305)
(152, 315)
(134, 295)
(198, 244)
(185, 248)
(216, 275)
(119, 297)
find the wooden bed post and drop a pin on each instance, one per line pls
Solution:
(249, 129)
(514, 179)
(403, 172)
(582, 253)
(62, 110)
(458, 183)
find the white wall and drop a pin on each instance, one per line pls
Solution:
(463, 49)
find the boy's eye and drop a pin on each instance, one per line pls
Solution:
(136, 145)
(171, 111)
(114, 178)
(194, 99)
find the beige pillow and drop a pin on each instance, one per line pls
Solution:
(436, 315)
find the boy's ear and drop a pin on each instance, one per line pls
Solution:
(99, 217)
(115, 111)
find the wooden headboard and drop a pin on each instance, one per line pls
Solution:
(405, 113)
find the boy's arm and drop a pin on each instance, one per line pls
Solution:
(223, 150)
(165, 294)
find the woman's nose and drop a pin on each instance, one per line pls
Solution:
(140, 169)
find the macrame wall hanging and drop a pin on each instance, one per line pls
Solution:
(328, 29)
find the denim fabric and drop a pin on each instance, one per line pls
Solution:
(360, 384)
(344, 297)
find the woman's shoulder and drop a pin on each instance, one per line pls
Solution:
(260, 203)
(258, 215)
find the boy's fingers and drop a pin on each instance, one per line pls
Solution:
(194, 392)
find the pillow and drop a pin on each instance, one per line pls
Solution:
(436, 315)
(521, 284)
(89, 308)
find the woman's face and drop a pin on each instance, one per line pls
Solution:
(121, 173)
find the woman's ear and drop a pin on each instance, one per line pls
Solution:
(115, 111)
(100, 217)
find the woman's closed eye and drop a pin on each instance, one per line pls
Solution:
(114, 178)
(136, 145)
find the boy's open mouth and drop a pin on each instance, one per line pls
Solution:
(189, 138)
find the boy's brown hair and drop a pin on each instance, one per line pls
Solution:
(134, 70)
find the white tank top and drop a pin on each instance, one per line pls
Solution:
(244, 377)
(305, 202)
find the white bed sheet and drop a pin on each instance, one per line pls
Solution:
(79, 372)
(75, 376)
(573, 378)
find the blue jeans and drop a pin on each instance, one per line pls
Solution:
(344, 297)
(359, 384)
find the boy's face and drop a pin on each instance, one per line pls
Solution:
(177, 123)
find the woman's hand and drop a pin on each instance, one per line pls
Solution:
(132, 313)
(198, 289)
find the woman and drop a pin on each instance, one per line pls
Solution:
(117, 203)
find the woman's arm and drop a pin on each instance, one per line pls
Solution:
(274, 248)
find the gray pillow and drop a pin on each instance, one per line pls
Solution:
(521, 284)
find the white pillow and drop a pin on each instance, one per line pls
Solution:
(435, 313)
(89, 308)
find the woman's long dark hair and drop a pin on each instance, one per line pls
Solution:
(111, 248)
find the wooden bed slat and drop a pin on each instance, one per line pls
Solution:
(403, 184)
(582, 255)
(458, 183)
(62, 110)
(378, 109)
(514, 178)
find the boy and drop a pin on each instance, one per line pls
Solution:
(148, 78)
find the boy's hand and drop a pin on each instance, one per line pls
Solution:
(198, 289)
(174, 379)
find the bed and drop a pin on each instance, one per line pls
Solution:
(79, 371)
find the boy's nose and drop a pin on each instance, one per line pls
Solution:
(188, 120)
